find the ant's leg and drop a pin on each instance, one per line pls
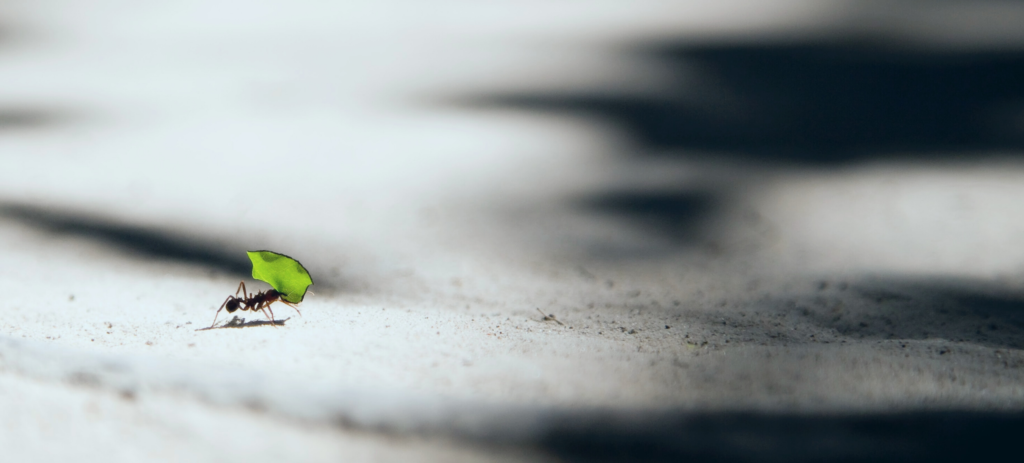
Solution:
(218, 311)
(289, 304)
(265, 308)
(241, 287)
(271, 313)
(261, 307)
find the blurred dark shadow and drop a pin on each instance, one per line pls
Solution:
(757, 107)
(968, 311)
(19, 118)
(784, 437)
(956, 310)
(139, 241)
(25, 118)
(816, 103)
(673, 213)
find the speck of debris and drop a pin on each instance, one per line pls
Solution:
(632, 332)
(71, 298)
(667, 327)
(549, 317)
(149, 343)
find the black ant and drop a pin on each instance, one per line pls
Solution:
(261, 301)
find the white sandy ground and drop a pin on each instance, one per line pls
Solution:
(434, 233)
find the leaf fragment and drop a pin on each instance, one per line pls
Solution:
(284, 273)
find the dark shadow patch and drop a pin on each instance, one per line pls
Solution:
(767, 437)
(236, 322)
(737, 111)
(813, 102)
(954, 310)
(144, 242)
(964, 311)
(679, 215)
(24, 118)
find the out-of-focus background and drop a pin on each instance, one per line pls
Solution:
(539, 231)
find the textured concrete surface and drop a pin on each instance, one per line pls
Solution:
(757, 224)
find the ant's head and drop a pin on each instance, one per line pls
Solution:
(233, 304)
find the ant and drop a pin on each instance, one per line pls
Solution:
(261, 301)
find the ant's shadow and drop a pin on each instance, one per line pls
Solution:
(236, 322)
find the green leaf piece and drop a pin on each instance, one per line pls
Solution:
(285, 274)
